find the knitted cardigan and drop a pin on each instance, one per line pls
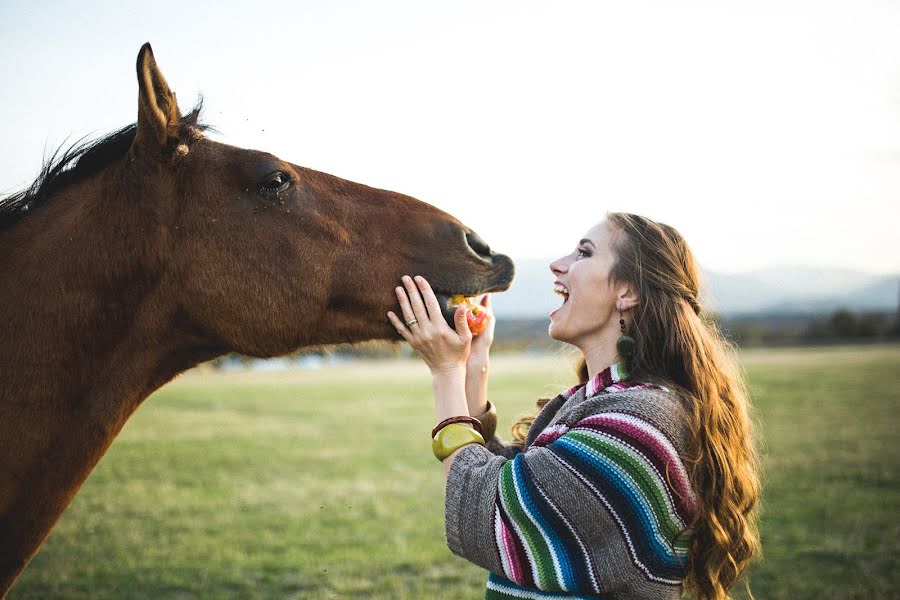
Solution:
(597, 504)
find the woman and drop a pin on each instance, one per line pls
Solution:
(637, 483)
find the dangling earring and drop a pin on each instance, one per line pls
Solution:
(625, 343)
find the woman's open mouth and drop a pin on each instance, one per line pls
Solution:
(563, 291)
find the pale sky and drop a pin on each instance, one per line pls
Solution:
(767, 132)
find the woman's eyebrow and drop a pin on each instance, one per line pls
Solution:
(587, 241)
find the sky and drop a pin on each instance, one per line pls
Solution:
(766, 132)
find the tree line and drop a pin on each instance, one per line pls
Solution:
(839, 326)
(745, 331)
(749, 330)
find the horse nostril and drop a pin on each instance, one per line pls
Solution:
(477, 244)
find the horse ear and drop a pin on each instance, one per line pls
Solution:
(158, 114)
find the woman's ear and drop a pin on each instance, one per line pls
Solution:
(627, 299)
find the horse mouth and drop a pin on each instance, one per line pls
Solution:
(449, 310)
(500, 281)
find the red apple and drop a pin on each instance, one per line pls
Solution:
(477, 315)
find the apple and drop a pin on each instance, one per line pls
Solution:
(477, 317)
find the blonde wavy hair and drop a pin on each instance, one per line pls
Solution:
(678, 345)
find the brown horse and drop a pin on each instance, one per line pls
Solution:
(140, 255)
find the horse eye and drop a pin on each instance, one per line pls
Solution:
(275, 183)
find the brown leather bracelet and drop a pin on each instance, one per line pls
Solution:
(475, 423)
(488, 420)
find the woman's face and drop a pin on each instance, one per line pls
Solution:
(588, 314)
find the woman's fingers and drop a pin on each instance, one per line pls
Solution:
(398, 325)
(462, 324)
(405, 307)
(420, 305)
(415, 299)
(440, 347)
(431, 301)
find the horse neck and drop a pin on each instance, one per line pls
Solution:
(81, 283)
(88, 334)
(89, 323)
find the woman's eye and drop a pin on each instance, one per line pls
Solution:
(582, 253)
(276, 182)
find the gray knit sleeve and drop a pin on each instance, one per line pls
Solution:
(501, 448)
(471, 493)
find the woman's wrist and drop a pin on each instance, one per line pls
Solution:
(476, 382)
(478, 361)
(476, 393)
(449, 374)
(449, 389)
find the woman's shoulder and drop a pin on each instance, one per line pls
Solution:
(644, 396)
(662, 407)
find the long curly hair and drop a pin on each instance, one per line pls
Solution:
(679, 345)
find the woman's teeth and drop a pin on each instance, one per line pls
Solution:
(562, 291)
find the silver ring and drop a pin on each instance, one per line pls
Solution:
(411, 322)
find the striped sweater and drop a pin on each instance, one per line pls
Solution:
(597, 505)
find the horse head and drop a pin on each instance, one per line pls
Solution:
(266, 256)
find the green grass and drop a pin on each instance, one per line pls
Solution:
(321, 484)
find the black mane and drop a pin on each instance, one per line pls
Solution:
(77, 162)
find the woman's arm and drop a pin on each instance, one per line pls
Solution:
(477, 385)
(449, 401)
(444, 350)
(478, 364)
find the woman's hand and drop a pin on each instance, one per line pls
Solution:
(481, 344)
(478, 363)
(443, 349)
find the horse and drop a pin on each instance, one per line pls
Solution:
(137, 256)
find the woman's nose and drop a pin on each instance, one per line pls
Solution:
(558, 266)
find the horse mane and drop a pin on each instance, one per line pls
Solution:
(79, 161)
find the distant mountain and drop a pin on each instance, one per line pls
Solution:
(787, 289)
(881, 294)
(783, 289)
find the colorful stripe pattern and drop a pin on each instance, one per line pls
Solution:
(630, 467)
(611, 379)
(500, 588)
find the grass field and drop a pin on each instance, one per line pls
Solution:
(321, 484)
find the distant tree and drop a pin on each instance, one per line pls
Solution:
(816, 330)
(871, 325)
(893, 332)
(842, 324)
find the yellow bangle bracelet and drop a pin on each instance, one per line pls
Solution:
(453, 437)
